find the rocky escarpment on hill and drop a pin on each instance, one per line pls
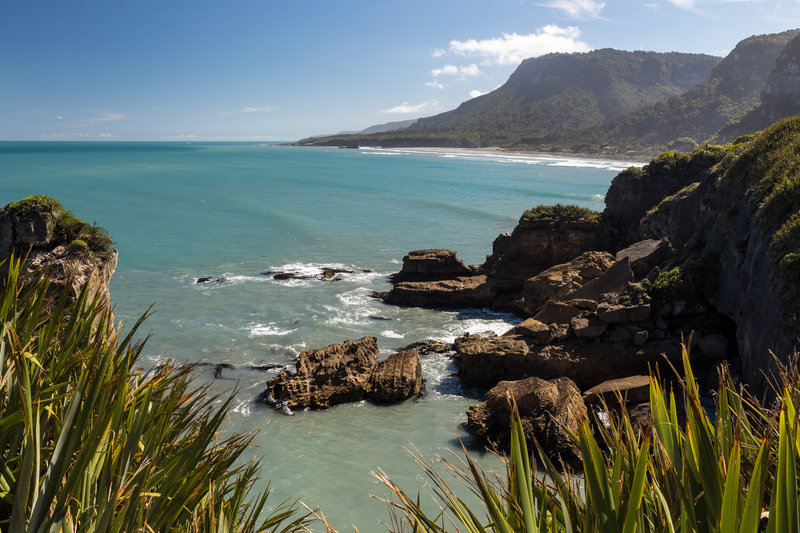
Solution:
(55, 242)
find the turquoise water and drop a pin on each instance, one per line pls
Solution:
(236, 210)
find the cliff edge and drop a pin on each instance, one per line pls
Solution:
(55, 242)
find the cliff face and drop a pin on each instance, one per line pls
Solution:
(54, 242)
(780, 96)
(731, 208)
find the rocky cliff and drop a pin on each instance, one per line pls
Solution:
(53, 241)
(736, 221)
(780, 96)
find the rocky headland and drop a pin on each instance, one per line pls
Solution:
(54, 242)
(697, 248)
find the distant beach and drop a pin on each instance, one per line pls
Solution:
(634, 160)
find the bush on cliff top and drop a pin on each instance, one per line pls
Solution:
(564, 212)
(67, 228)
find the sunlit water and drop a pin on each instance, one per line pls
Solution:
(237, 210)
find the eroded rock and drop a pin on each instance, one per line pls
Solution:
(549, 411)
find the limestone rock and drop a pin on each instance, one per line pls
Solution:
(588, 327)
(537, 244)
(549, 411)
(539, 332)
(396, 378)
(557, 313)
(632, 389)
(485, 361)
(346, 372)
(560, 280)
(646, 255)
(461, 292)
(613, 279)
(431, 264)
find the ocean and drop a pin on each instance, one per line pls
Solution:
(179, 211)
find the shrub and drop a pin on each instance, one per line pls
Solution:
(691, 471)
(87, 443)
(560, 211)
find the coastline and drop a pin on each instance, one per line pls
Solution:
(497, 151)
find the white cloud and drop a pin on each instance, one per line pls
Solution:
(578, 9)
(459, 72)
(179, 137)
(475, 93)
(439, 52)
(265, 109)
(436, 84)
(511, 49)
(683, 4)
(429, 106)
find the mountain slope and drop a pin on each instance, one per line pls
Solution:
(553, 92)
(780, 97)
(734, 88)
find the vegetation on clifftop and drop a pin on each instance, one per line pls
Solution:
(562, 212)
(78, 236)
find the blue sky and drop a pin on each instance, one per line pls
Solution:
(269, 70)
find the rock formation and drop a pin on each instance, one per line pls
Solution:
(346, 372)
(54, 242)
(550, 411)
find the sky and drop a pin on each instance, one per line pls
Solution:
(265, 70)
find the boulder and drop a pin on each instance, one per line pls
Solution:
(432, 264)
(429, 347)
(613, 279)
(557, 313)
(396, 378)
(457, 293)
(632, 389)
(550, 411)
(645, 255)
(588, 327)
(531, 328)
(346, 372)
(560, 280)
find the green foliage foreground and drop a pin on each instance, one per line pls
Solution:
(733, 470)
(87, 443)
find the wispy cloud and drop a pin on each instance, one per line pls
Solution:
(436, 84)
(459, 72)
(578, 9)
(696, 5)
(475, 93)
(429, 106)
(264, 109)
(179, 137)
(105, 117)
(77, 135)
(512, 48)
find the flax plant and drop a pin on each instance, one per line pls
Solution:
(733, 469)
(89, 443)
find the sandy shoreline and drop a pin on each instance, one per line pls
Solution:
(493, 150)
